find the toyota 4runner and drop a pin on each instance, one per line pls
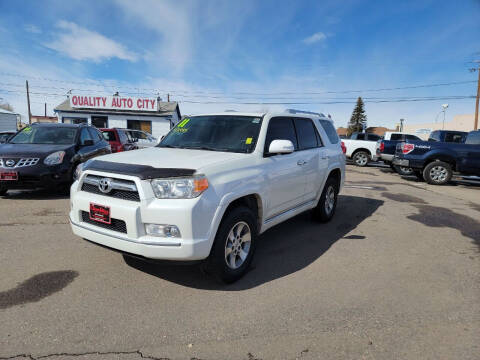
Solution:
(212, 185)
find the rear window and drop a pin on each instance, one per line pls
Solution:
(396, 137)
(109, 135)
(306, 134)
(330, 130)
(434, 136)
(455, 138)
(473, 138)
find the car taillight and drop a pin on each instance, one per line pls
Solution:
(344, 148)
(382, 146)
(120, 148)
(407, 148)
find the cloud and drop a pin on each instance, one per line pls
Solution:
(312, 39)
(32, 29)
(79, 43)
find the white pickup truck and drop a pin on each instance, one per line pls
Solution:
(361, 148)
(212, 185)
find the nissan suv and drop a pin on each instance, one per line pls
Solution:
(210, 188)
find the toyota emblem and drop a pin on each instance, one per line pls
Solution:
(105, 185)
(10, 162)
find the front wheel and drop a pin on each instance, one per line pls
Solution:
(234, 246)
(361, 158)
(402, 170)
(437, 173)
(327, 204)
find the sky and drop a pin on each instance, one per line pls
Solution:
(251, 55)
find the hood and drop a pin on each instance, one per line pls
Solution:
(172, 158)
(30, 150)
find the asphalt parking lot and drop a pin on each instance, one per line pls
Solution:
(395, 275)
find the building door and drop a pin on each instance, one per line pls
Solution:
(100, 121)
(140, 125)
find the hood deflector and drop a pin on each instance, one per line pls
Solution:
(144, 172)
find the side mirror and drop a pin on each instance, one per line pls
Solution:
(87, 143)
(281, 147)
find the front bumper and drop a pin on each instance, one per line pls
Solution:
(197, 220)
(38, 176)
(401, 162)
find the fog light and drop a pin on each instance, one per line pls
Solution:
(162, 230)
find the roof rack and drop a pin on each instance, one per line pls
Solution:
(294, 111)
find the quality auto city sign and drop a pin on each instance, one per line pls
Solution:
(113, 102)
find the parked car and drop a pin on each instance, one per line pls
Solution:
(5, 135)
(212, 185)
(361, 148)
(119, 139)
(142, 138)
(46, 155)
(435, 161)
(385, 149)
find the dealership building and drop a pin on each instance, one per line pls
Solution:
(148, 114)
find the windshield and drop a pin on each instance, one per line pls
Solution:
(45, 135)
(216, 133)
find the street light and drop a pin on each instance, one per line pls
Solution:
(444, 107)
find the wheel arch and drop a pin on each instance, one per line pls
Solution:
(361, 149)
(252, 201)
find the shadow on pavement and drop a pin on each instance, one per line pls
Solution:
(43, 194)
(282, 250)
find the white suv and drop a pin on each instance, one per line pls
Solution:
(212, 185)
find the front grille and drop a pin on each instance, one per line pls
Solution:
(116, 225)
(91, 181)
(23, 162)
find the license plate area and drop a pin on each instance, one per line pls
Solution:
(100, 213)
(8, 176)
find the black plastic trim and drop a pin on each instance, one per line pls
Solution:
(143, 172)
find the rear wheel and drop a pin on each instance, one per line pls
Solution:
(234, 246)
(361, 158)
(327, 204)
(437, 173)
(402, 170)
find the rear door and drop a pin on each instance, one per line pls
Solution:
(471, 161)
(284, 172)
(313, 156)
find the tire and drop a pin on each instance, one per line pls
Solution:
(437, 173)
(327, 204)
(361, 158)
(419, 175)
(3, 191)
(236, 235)
(402, 170)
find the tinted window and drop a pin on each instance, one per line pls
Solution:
(280, 128)
(434, 136)
(85, 135)
(473, 138)
(331, 132)
(412, 137)
(307, 139)
(360, 137)
(109, 135)
(123, 137)
(93, 133)
(396, 137)
(452, 137)
(374, 137)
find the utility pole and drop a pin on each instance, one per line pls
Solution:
(401, 124)
(45, 109)
(475, 126)
(28, 102)
(168, 99)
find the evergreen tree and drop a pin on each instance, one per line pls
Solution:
(358, 121)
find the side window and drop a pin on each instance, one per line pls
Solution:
(280, 128)
(361, 136)
(373, 137)
(434, 136)
(396, 137)
(94, 135)
(412, 137)
(473, 138)
(330, 130)
(85, 135)
(141, 135)
(123, 137)
(306, 134)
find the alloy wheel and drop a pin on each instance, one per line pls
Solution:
(237, 246)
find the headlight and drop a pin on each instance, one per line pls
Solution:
(78, 172)
(55, 158)
(179, 188)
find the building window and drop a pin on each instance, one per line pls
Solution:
(140, 125)
(74, 120)
(100, 122)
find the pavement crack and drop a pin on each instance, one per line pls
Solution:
(95, 353)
